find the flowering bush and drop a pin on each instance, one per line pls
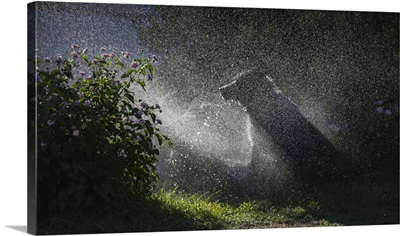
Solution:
(96, 141)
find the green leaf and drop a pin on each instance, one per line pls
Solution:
(143, 70)
(130, 97)
(142, 84)
(84, 57)
(119, 63)
(151, 69)
(153, 117)
(128, 105)
(130, 71)
(127, 73)
(168, 140)
(159, 138)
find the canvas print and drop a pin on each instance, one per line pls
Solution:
(146, 118)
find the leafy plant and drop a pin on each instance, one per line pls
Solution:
(96, 140)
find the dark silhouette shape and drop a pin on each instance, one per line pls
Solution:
(303, 146)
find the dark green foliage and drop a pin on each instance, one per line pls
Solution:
(94, 136)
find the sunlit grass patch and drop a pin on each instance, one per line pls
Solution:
(210, 214)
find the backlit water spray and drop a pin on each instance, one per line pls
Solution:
(213, 141)
(216, 147)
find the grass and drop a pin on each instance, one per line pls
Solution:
(247, 214)
(173, 210)
(359, 202)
